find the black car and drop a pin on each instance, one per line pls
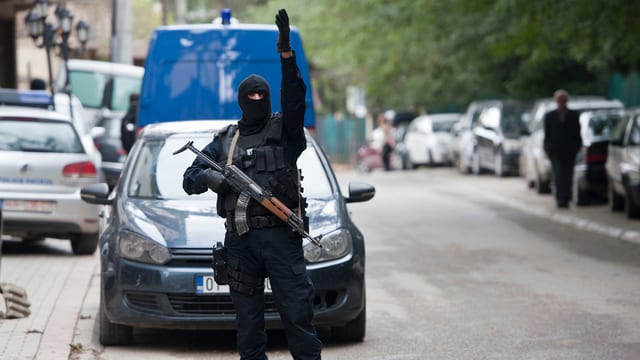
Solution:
(623, 165)
(156, 243)
(497, 138)
(590, 177)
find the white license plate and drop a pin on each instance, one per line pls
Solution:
(205, 284)
(34, 206)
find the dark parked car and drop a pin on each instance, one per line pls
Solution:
(497, 138)
(106, 137)
(590, 176)
(623, 165)
(156, 243)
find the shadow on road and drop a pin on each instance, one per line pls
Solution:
(12, 246)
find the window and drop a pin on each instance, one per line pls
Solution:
(38, 136)
(88, 87)
(634, 135)
(157, 173)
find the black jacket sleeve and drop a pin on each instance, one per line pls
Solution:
(193, 180)
(292, 94)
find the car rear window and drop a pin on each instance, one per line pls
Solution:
(38, 135)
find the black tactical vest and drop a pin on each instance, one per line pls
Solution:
(262, 157)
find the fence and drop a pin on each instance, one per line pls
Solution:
(340, 137)
(625, 88)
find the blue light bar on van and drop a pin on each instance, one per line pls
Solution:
(225, 14)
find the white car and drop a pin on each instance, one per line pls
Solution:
(535, 165)
(428, 139)
(43, 165)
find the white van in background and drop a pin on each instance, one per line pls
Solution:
(103, 87)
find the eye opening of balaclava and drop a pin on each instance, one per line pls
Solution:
(254, 112)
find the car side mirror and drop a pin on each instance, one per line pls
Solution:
(359, 192)
(97, 194)
(98, 132)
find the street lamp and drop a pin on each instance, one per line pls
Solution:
(45, 35)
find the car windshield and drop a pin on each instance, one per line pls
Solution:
(157, 173)
(601, 125)
(443, 126)
(90, 87)
(511, 121)
(38, 136)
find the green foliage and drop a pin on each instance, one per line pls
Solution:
(437, 54)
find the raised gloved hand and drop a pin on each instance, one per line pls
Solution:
(214, 180)
(282, 21)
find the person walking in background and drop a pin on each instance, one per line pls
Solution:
(382, 138)
(562, 141)
(129, 123)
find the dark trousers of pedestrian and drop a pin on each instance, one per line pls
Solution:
(562, 179)
(386, 157)
(275, 252)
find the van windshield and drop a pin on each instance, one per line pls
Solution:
(90, 87)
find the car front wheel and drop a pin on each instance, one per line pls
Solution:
(113, 334)
(354, 330)
(616, 201)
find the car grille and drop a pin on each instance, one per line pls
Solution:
(211, 305)
(190, 257)
(189, 304)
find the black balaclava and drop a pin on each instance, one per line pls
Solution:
(254, 112)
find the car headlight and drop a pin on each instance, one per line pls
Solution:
(335, 244)
(137, 248)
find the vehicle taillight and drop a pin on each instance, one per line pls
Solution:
(81, 169)
(596, 158)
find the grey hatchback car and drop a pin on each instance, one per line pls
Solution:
(156, 243)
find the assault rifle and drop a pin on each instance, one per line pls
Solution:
(249, 189)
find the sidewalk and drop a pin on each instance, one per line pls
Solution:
(56, 283)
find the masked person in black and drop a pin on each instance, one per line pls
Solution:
(266, 147)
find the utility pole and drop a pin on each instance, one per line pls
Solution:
(121, 32)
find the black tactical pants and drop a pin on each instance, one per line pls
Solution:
(275, 252)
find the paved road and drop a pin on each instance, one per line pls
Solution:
(460, 267)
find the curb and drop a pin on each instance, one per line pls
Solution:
(630, 236)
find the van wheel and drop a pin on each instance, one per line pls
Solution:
(113, 334)
(84, 244)
(616, 201)
(354, 330)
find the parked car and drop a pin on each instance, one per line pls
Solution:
(428, 139)
(43, 165)
(106, 135)
(623, 165)
(463, 141)
(156, 243)
(497, 138)
(59, 102)
(400, 155)
(590, 176)
(536, 166)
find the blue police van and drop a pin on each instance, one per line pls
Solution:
(192, 72)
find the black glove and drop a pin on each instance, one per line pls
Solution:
(214, 180)
(282, 20)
